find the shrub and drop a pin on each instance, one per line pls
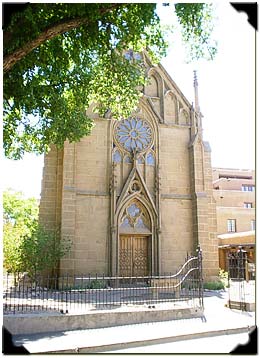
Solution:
(95, 284)
(223, 276)
(43, 250)
(214, 285)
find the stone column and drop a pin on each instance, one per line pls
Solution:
(50, 203)
(203, 208)
(68, 210)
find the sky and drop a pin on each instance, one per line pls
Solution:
(226, 98)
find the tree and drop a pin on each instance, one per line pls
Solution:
(20, 212)
(60, 58)
(43, 251)
(12, 244)
(197, 26)
(20, 217)
(27, 246)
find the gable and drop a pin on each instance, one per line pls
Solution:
(135, 187)
(165, 98)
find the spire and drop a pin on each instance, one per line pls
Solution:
(196, 92)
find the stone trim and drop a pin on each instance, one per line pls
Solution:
(85, 192)
(91, 193)
(176, 196)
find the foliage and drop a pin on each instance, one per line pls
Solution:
(12, 247)
(96, 284)
(27, 246)
(223, 276)
(20, 212)
(56, 81)
(61, 57)
(43, 250)
(20, 217)
(213, 285)
(86, 284)
(197, 26)
(221, 284)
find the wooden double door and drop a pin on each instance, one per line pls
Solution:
(134, 255)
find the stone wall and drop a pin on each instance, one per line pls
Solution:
(176, 215)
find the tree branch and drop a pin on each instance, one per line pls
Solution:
(57, 29)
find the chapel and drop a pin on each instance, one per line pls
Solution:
(135, 197)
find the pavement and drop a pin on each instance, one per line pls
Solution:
(218, 320)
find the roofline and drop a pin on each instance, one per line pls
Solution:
(237, 169)
(237, 234)
(174, 85)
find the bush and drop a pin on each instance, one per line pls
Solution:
(214, 285)
(95, 284)
(223, 276)
(43, 250)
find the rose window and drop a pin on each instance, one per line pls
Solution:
(134, 134)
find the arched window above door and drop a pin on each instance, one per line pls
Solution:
(135, 216)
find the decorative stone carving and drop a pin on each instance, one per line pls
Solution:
(133, 134)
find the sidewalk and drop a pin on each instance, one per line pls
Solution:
(217, 320)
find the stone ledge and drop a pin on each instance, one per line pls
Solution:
(42, 323)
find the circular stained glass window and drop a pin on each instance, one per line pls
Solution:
(134, 134)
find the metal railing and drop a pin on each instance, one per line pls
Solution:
(81, 293)
(241, 285)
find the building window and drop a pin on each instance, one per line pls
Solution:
(135, 216)
(231, 225)
(150, 159)
(117, 158)
(248, 187)
(134, 134)
(252, 224)
(127, 159)
(248, 205)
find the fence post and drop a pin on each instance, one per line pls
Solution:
(241, 263)
(200, 275)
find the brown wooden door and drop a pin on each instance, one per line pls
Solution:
(133, 255)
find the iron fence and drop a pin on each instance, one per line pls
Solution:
(241, 277)
(79, 293)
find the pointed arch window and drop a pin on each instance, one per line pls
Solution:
(150, 159)
(135, 216)
(140, 160)
(117, 157)
(127, 159)
(152, 87)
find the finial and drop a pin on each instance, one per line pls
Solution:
(196, 93)
(195, 78)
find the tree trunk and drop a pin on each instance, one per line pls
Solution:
(57, 29)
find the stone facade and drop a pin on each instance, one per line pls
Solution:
(135, 196)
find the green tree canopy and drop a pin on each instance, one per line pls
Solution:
(27, 246)
(20, 217)
(20, 212)
(60, 58)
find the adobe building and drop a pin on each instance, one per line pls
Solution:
(234, 192)
(136, 195)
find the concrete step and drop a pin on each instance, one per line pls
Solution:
(41, 323)
(121, 337)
